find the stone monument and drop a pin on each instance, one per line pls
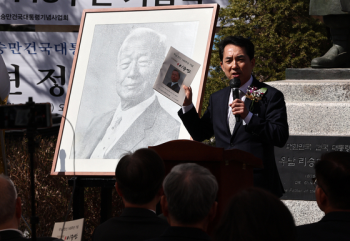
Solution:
(335, 16)
(318, 108)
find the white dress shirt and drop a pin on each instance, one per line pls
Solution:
(118, 127)
(243, 89)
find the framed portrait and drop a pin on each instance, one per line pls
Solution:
(111, 108)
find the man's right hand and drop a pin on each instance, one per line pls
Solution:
(188, 95)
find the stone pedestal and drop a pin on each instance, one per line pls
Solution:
(317, 105)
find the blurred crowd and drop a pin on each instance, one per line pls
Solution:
(188, 200)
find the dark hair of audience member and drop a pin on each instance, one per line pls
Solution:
(237, 41)
(256, 215)
(140, 176)
(333, 176)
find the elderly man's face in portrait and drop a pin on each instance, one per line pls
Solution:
(175, 76)
(136, 70)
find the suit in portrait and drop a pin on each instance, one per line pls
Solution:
(175, 87)
(153, 127)
(14, 235)
(267, 128)
(183, 234)
(134, 224)
(333, 226)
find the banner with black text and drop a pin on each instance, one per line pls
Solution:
(68, 12)
(39, 66)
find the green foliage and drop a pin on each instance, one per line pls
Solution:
(284, 35)
(52, 192)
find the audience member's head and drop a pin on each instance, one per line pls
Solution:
(254, 215)
(10, 204)
(139, 178)
(333, 182)
(190, 192)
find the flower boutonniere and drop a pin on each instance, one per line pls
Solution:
(255, 95)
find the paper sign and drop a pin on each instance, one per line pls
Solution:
(177, 70)
(73, 230)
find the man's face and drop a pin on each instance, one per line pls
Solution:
(136, 70)
(236, 63)
(175, 76)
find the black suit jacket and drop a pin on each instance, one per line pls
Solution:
(267, 128)
(333, 226)
(183, 234)
(175, 87)
(132, 224)
(11, 235)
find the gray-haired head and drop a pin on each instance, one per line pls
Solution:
(190, 191)
(139, 60)
(7, 200)
(153, 40)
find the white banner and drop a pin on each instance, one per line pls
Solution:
(68, 12)
(39, 66)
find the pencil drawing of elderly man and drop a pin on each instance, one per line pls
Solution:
(139, 120)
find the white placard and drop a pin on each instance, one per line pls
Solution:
(39, 66)
(177, 70)
(68, 12)
(73, 230)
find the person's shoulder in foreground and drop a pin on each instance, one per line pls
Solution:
(132, 224)
(256, 215)
(333, 198)
(333, 226)
(10, 213)
(183, 234)
(16, 235)
(189, 203)
(139, 178)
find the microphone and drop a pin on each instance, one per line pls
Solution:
(235, 83)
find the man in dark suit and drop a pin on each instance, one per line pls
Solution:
(333, 198)
(139, 179)
(174, 85)
(263, 123)
(189, 203)
(10, 212)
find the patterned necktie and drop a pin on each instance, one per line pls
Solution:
(232, 122)
(232, 118)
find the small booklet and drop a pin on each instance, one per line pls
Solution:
(177, 70)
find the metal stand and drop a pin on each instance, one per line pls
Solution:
(31, 149)
(3, 151)
(105, 183)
